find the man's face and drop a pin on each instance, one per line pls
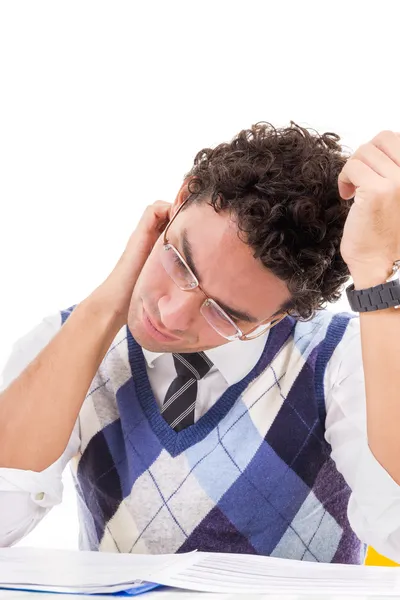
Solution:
(227, 272)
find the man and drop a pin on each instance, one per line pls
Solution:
(203, 396)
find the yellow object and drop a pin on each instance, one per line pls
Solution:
(373, 558)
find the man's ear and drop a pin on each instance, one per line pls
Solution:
(181, 196)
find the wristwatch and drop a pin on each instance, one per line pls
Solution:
(378, 297)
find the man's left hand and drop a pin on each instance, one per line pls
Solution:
(371, 237)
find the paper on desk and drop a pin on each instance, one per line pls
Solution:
(100, 572)
(72, 571)
(247, 574)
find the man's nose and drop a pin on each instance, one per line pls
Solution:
(179, 310)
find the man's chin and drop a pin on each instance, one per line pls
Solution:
(148, 343)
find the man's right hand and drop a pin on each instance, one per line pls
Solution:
(117, 289)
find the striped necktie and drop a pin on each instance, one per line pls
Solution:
(180, 399)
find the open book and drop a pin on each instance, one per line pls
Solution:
(72, 571)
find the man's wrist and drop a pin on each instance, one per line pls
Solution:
(369, 276)
(101, 305)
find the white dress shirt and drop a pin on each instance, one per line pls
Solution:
(374, 507)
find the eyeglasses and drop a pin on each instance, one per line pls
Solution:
(181, 274)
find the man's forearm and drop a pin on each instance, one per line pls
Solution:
(39, 409)
(380, 338)
(380, 343)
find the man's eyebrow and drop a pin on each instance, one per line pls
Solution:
(232, 312)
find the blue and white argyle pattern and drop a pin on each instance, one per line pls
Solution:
(253, 475)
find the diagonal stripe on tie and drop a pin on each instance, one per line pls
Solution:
(180, 400)
(183, 389)
(185, 414)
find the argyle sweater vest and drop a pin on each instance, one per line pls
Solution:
(253, 475)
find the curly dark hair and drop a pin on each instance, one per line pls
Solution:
(281, 187)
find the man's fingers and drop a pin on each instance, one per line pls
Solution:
(380, 157)
(389, 143)
(377, 160)
(158, 215)
(354, 174)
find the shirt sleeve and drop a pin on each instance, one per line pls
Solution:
(27, 496)
(374, 506)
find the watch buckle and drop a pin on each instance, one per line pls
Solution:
(394, 275)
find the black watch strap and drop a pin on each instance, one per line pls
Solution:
(378, 297)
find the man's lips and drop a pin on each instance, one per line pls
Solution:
(155, 330)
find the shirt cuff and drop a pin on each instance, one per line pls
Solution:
(45, 488)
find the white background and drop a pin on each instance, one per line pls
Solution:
(103, 106)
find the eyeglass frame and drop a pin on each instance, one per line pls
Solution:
(240, 335)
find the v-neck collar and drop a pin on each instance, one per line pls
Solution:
(176, 442)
